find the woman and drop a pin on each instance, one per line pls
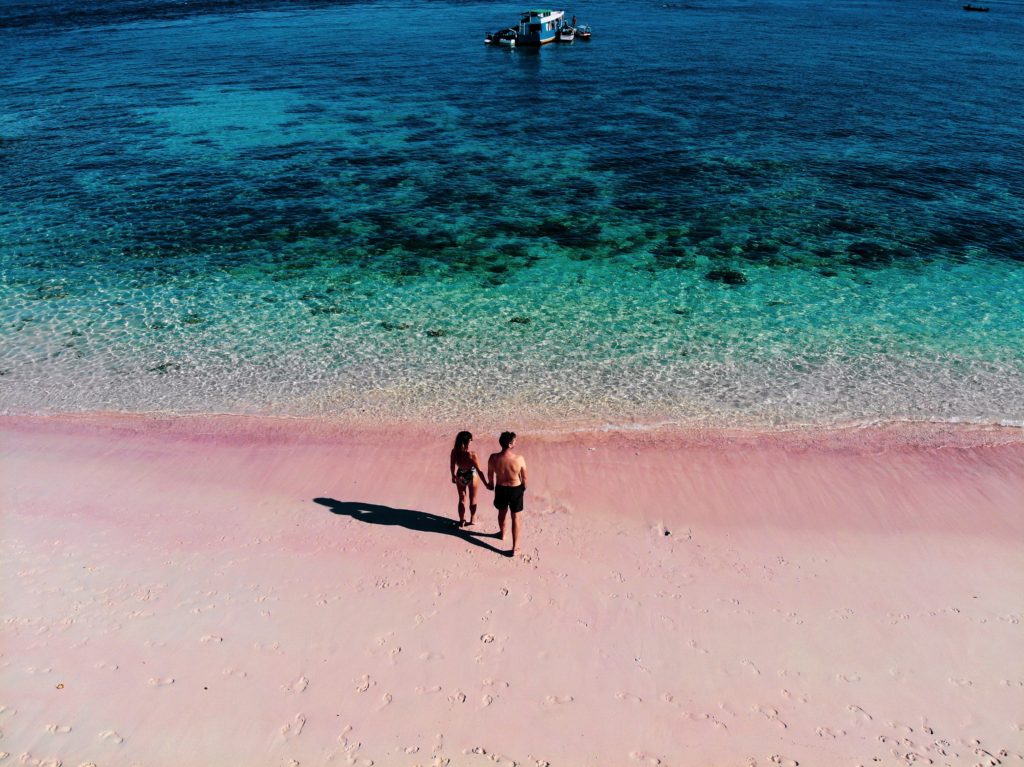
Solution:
(465, 470)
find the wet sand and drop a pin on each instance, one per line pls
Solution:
(252, 591)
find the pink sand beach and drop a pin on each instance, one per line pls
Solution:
(230, 591)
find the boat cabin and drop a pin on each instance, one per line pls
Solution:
(539, 27)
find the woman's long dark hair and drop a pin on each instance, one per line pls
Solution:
(462, 440)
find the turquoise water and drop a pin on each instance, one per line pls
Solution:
(721, 213)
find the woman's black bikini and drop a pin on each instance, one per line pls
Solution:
(465, 476)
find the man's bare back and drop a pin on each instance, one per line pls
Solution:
(507, 468)
(506, 473)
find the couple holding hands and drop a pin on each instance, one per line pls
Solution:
(506, 476)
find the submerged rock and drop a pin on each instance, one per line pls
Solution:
(867, 253)
(520, 320)
(165, 367)
(727, 276)
(436, 333)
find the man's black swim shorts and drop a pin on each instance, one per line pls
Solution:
(506, 497)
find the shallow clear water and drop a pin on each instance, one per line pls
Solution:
(728, 213)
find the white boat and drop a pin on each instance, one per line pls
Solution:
(566, 34)
(539, 27)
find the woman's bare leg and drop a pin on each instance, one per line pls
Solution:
(462, 504)
(472, 500)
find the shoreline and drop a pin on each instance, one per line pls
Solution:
(282, 593)
(866, 436)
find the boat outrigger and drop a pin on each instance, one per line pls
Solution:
(539, 27)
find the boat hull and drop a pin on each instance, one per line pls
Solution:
(535, 40)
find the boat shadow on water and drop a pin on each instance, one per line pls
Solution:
(411, 519)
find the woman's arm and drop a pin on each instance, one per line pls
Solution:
(481, 472)
(452, 465)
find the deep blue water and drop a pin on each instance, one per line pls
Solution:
(731, 212)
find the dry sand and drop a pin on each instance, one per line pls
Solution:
(175, 594)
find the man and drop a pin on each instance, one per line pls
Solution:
(506, 473)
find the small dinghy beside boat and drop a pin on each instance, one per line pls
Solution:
(502, 37)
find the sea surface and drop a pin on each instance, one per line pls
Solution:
(754, 213)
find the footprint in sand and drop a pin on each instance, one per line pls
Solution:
(851, 677)
(640, 756)
(155, 682)
(706, 716)
(364, 683)
(799, 696)
(487, 638)
(557, 700)
(111, 737)
(628, 698)
(58, 729)
(428, 690)
(771, 714)
(457, 697)
(385, 700)
(859, 713)
(293, 728)
(751, 667)
(828, 732)
(211, 638)
(777, 759)
(299, 685)
(37, 761)
(960, 681)
(904, 728)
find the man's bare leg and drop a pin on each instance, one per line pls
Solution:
(502, 513)
(515, 533)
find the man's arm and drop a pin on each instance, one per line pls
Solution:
(490, 471)
(522, 472)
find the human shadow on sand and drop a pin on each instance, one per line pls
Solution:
(421, 521)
